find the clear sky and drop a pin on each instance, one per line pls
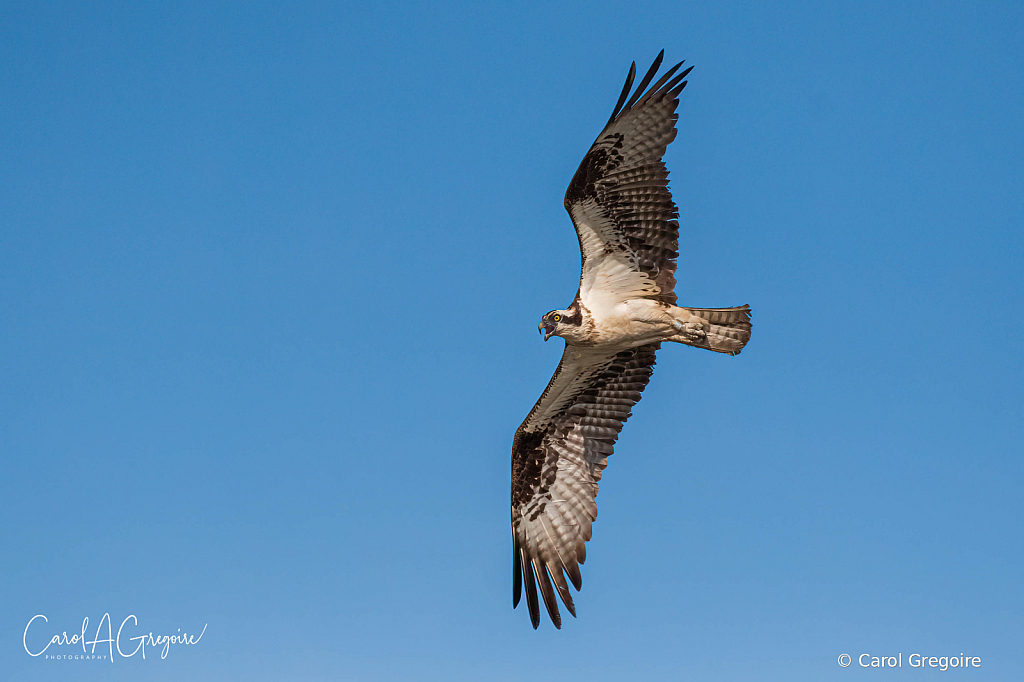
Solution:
(270, 278)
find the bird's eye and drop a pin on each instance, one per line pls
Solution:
(557, 318)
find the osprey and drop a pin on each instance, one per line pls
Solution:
(624, 309)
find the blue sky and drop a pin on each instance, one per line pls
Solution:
(269, 285)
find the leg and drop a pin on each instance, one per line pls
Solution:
(723, 330)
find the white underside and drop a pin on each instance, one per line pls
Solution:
(615, 292)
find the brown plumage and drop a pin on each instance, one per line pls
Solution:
(628, 231)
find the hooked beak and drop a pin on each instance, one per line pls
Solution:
(545, 329)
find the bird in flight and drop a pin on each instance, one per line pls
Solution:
(624, 309)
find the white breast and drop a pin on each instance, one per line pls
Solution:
(610, 274)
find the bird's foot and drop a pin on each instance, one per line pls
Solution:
(692, 331)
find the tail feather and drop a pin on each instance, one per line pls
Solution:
(723, 330)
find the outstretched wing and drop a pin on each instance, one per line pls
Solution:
(619, 199)
(558, 455)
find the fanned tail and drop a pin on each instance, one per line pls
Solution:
(723, 330)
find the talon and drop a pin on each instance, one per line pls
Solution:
(694, 331)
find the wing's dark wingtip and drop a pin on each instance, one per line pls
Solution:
(531, 593)
(517, 572)
(548, 592)
(642, 92)
(575, 577)
(563, 588)
(625, 93)
(645, 81)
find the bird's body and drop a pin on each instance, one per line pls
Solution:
(624, 309)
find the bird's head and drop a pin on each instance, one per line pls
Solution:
(554, 323)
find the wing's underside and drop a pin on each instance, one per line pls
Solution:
(619, 199)
(557, 458)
